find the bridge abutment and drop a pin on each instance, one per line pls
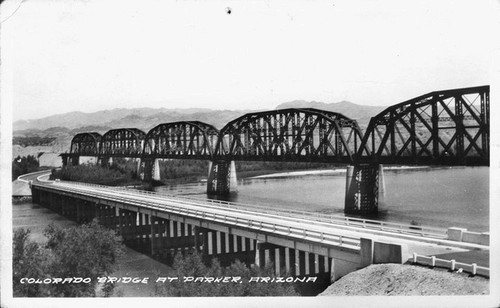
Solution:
(364, 189)
(222, 178)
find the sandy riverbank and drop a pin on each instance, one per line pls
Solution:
(328, 172)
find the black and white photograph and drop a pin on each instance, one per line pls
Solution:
(226, 153)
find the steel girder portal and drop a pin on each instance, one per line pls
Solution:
(443, 127)
(295, 134)
(192, 140)
(86, 144)
(125, 142)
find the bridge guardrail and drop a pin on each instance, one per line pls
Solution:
(452, 265)
(423, 231)
(21, 177)
(323, 237)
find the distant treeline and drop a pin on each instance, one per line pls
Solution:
(184, 170)
(32, 141)
(124, 172)
(121, 172)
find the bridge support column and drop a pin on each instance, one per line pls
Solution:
(156, 170)
(143, 231)
(72, 210)
(364, 186)
(222, 178)
(151, 170)
(64, 158)
(106, 215)
(35, 195)
(79, 211)
(84, 211)
(75, 160)
(127, 223)
(59, 204)
(227, 248)
(138, 171)
(160, 231)
(105, 161)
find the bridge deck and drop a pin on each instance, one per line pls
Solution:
(325, 230)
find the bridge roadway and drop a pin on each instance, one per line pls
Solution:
(334, 237)
(333, 229)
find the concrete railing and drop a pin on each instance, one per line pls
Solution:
(452, 265)
(22, 176)
(422, 231)
(463, 235)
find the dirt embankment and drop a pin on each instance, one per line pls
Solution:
(396, 279)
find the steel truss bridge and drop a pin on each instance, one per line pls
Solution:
(444, 128)
(449, 127)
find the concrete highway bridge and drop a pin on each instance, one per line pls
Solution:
(449, 127)
(310, 247)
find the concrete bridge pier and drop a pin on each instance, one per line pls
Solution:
(85, 211)
(222, 178)
(105, 161)
(169, 237)
(64, 158)
(35, 196)
(287, 261)
(364, 189)
(142, 232)
(227, 248)
(126, 219)
(138, 170)
(75, 160)
(58, 204)
(151, 170)
(106, 216)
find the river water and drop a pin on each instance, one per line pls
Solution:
(439, 197)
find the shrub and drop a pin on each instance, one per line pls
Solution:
(191, 265)
(86, 251)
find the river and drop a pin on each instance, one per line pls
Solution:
(439, 197)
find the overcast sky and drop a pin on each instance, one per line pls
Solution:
(92, 55)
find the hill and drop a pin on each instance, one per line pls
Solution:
(122, 117)
(357, 112)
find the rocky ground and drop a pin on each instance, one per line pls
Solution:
(396, 279)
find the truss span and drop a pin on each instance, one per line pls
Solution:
(185, 139)
(444, 127)
(295, 134)
(123, 142)
(86, 144)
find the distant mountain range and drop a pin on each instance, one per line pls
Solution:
(136, 117)
(357, 112)
(64, 126)
(147, 118)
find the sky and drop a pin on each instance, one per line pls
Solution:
(90, 55)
